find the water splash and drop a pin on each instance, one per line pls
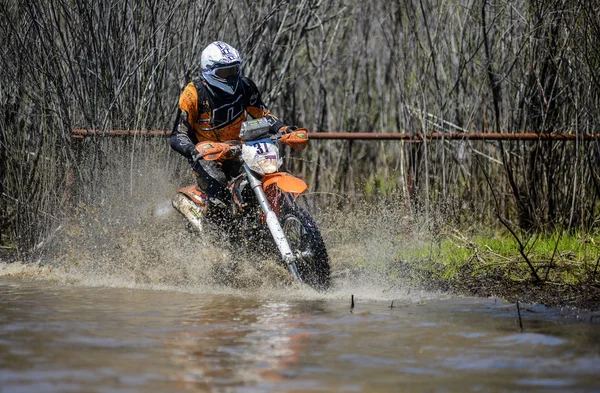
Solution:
(136, 239)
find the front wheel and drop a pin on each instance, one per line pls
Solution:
(307, 245)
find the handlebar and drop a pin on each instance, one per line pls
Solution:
(219, 151)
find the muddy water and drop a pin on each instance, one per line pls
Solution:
(64, 338)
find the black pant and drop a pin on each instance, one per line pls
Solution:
(213, 177)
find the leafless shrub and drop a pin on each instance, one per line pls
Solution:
(330, 65)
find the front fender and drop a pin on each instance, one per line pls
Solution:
(285, 182)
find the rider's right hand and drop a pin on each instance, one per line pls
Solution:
(213, 151)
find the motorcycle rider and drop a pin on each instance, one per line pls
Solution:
(213, 108)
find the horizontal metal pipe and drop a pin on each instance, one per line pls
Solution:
(487, 136)
(81, 132)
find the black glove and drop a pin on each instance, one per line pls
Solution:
(287, 129)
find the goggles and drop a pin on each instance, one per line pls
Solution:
(226, 71)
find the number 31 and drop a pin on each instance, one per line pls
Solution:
(261, 148)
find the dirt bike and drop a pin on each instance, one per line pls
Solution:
(261, 210)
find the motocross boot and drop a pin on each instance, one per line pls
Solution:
(210, 180)
(214, 191)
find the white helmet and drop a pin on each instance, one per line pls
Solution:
(221, 65)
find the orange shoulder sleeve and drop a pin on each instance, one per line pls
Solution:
(257, 112)
(188, 101)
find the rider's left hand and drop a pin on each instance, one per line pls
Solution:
(297, 139)
(287, 129)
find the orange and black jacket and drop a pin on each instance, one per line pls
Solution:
(206, 116)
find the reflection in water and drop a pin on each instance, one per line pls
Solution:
(76, 339)
(239, 342)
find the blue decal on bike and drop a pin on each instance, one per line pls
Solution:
(261, 145)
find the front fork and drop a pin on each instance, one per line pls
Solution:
(273, 224)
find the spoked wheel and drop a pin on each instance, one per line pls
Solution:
(306, 243)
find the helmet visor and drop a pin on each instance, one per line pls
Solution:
(227, 71)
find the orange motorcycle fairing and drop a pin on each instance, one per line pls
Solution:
(285, 182)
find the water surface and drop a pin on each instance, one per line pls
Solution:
(62, 338)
